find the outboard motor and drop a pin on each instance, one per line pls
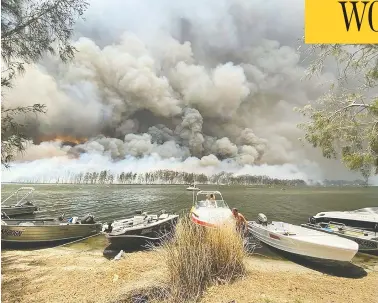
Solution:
(108, 227)
(88, 219)
(262, 219)
(138, 212)
(312, 220)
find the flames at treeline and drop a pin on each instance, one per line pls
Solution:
(65, 139)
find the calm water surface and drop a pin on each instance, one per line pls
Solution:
(292, 205)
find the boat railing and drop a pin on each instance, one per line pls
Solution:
(30, 191)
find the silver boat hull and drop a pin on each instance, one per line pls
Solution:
(45, 234)
(19, 210)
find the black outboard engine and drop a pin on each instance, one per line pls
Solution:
(312, 220)
(88, 219)
(262, 219)
(138, 212)
(109, 227)
(61, 217)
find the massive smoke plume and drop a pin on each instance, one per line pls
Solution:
(212, 84)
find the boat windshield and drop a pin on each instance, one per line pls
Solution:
(212, 203)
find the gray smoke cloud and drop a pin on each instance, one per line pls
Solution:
(213, 80)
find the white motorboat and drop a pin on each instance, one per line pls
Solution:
(208, 212)
(302, 241)
(364, 218)
(193, 187)
(23, 206)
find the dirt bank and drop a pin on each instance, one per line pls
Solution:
(66, 274)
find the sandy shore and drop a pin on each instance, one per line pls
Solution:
(82, 274)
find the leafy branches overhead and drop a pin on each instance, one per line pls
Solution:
(344, 121)
(29, 29)
(13, 138)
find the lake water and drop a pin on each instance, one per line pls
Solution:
(292, 205)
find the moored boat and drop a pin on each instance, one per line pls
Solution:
(364, 218)
(208, 212)
(140, 230)
(24, 204)
(39, 232)
(367, 240)
(193, 187)
(302, 241)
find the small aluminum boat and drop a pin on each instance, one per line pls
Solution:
(140, 230)
(24, 204)
(302, 241)
(367, 240)
(39, 232)
(208, 212)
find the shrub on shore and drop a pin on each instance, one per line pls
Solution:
(198, 257)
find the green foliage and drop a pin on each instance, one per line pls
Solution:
(29, 29)
(344, 121)
(13, 138)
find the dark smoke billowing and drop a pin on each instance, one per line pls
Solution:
(213, 81)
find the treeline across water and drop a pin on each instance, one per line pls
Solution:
(165, 177)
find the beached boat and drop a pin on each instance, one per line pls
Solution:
(193, 187)
(24, 204)
(38, 232)
(367, 240)
(140, 230)
(302, 241)
(208, 212)
(364, 218)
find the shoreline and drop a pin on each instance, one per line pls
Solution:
(80, 273)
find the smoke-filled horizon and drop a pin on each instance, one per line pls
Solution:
(192, 85)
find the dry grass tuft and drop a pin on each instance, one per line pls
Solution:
(198, 257)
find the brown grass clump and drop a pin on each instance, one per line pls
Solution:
(198, 257)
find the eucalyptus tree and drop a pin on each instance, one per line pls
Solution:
(30, 29)
(343, 122)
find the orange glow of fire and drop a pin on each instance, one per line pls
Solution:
(63, 138)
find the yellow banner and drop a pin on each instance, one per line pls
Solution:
(346, 22)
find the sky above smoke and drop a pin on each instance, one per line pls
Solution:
(189, 84)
